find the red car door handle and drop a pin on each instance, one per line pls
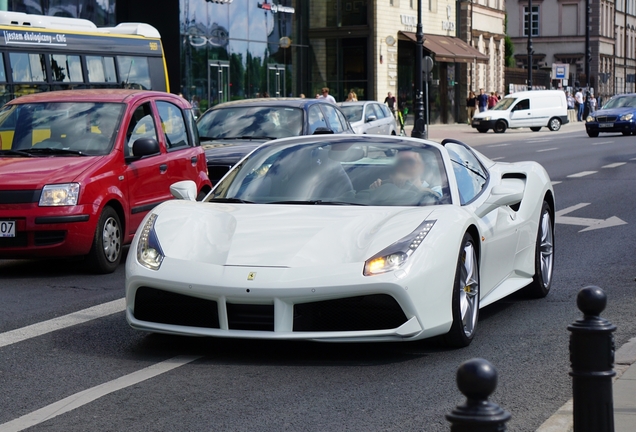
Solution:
(194, 159)
(163, 168)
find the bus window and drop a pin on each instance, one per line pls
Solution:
(134, 72)
(3, 75)
(66, 68)
(101, 69)
(27, 67)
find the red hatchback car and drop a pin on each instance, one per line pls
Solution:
(80, 169)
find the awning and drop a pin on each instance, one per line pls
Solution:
(449, 49)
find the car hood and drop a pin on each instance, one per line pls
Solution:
(493, 114)
(614, 111)
(35, 172)
(228, 151)
(280, 235)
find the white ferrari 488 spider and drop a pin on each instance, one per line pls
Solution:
(344, 238)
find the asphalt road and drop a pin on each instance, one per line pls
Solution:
(237, 385)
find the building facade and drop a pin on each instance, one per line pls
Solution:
(558, 33)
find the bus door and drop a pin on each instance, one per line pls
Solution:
(219, 80)
(276, 80)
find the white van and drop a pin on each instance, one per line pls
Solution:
(534, 109)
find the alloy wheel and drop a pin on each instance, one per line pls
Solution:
(546, 249)
(469, 289)
(111, 239)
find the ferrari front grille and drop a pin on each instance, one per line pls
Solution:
(164, 307)
(371, 312)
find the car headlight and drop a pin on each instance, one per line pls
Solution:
(627, 117)
(59, 195)
(589, 119)
(394, 256)
(486, 118)
(149, 252)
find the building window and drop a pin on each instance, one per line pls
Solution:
(533, 19)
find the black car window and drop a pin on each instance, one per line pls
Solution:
(333, 119)
(316, 118)
(522, 105)
(142, 125)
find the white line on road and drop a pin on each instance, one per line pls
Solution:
(497, 158)
(582, 174)
(499, 145)
(539, 140)
(556, 182)
(79, 317)
(633, 159)
(548, 149)
(614, 165)
(602, 142)
(87, 396)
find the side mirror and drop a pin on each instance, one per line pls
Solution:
(145, 147)
(184, 190)
(371, 118)
(509, 192)
(322, 131)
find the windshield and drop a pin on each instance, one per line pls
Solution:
(353, 113)
(245, 122)
(60, 128)
(504, 104)
(620, 102)
(342, 172)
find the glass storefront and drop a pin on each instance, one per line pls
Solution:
(236, 50)
(100, 12)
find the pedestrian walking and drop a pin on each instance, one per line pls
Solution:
(352, 97)
(492, 100)
(482, 100)
(592, 103)
(471, 105)
(390, 101)
(580, 105)
(326, 96)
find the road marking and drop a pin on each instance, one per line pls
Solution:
(87, 396)
(79, 317)
(602, 142)
(548, 149)
(497, 158)
(633, 159)
(582, 174)
(614, 165)
(539, 140)
(591, 224)
(499, 145)
(556, 182)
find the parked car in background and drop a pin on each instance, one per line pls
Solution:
(231, 130)
(532, 109)
(80, 169)
(369, 117)
(617, 115)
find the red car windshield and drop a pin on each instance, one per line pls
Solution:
(60, 128)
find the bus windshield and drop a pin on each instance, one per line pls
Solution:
(60, 128)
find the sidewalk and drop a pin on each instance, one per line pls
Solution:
(624, 396)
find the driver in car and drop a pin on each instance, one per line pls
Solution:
(409, 174)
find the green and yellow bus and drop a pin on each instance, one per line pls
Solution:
(43, 53)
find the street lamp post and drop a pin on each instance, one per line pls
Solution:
(419, 130)
(588, 49)
(530, 51)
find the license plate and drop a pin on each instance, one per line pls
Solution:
(7, 228)
(606, 125)
(476, 122)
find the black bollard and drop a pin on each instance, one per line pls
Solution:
(477, 379)
(592, 359)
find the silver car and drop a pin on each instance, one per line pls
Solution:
(369, 117)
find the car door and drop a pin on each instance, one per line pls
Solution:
(499, 228)
(521, 114)
(389, 120)
(372, 119)
(183, 155)
(146, 177)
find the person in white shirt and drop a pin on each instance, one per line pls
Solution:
(578, 97)
(326, 96)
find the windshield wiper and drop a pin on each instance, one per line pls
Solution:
(15, 153)
(317, 202)
(474, 171)
(230, 200)
(49, 150)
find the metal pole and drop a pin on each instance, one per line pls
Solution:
(588, 49)
(592, 360)
(530, 51)
(419, 130)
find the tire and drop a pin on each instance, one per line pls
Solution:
(500, 126)
(106, 251)
(543, 256)
(482, 130)
(554, 124)
(592, 134)
(465, 303)
(535, 129)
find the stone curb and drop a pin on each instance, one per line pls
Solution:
(561, 421)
